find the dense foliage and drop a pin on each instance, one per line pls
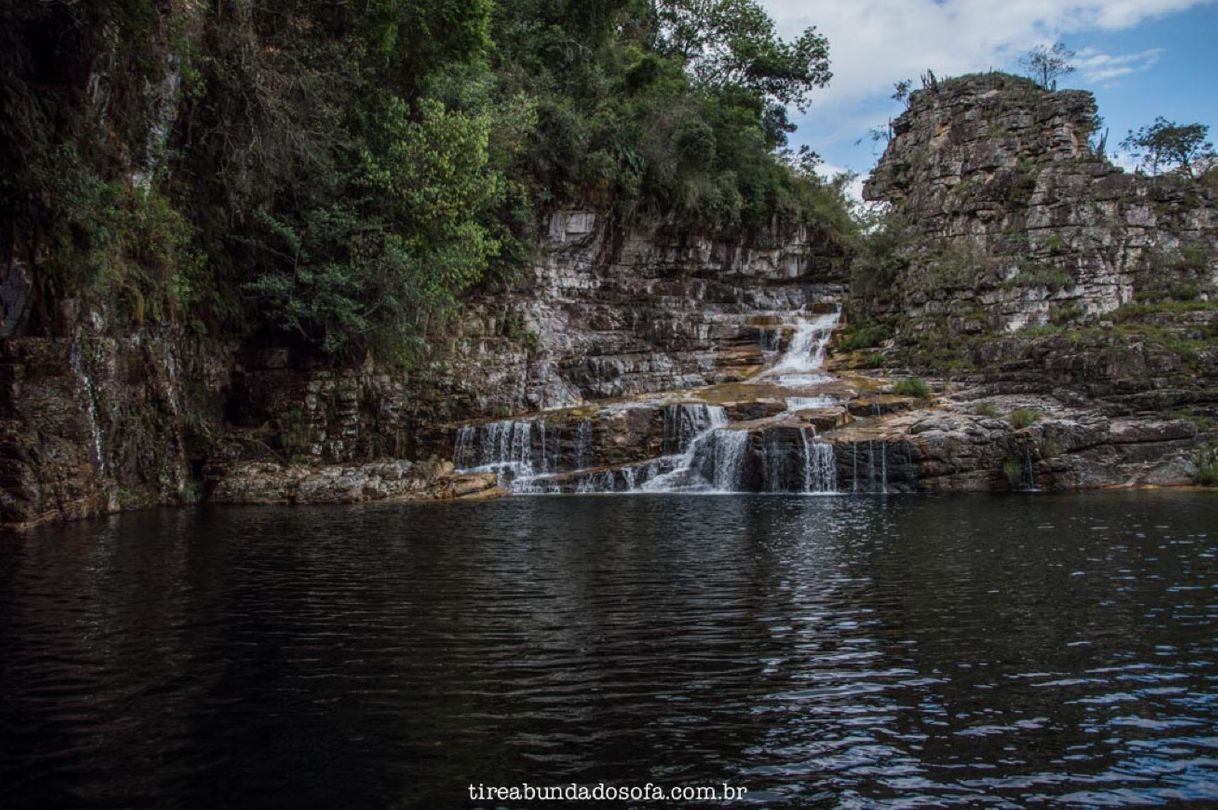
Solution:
(338, 173)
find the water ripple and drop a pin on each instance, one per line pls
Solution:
(900, 652)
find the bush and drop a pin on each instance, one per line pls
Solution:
(1012, 468)
(863, 335)
(1021, 418)
(986, 409)
(1207, 466)
(912, 387)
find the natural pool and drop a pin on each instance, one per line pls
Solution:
(846, 650)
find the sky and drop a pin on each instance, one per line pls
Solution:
(1141, 58)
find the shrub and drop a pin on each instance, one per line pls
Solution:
(1021, 418)
(912, 387)
(863, 335)
(1012, 468)
(986, 409)
(1207, 466)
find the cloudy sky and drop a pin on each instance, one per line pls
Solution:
(1142, 58)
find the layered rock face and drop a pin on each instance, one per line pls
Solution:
(605, 311)
(1015, 221)
(610, 310)
(93, 422)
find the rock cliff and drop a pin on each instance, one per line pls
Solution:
(1029, 255)
(1062, 308)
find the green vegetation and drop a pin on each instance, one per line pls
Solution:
(1012, 468)
(1206, 459)
(1066, 314)
(1038, 275)
(881, 259)
(1138, 310)
(1054, 244)
(863, 334)
(986, 409)
(953, 265)
(912, 387)
(1021, 418)
(339, 175)
(1166, 144)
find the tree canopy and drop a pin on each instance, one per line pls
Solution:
(1045, 64)
(1166, 144)
(341, 173)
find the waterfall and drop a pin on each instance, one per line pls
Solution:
(870, 465)
(804, 357)
(700, 452)
(545, 461)
(504, 447)
(95, 431)
(819, 465)
(464, 453)
(685, 422)
(583, 443)
(730, 450)
(877, 413)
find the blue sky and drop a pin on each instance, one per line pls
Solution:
(1141, 58)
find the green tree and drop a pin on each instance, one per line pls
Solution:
(734, 42)
(1168, 144)
(1046, 64)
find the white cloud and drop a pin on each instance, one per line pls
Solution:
(1099, 68)
(874, 43)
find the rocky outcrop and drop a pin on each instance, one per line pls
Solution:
(1019, 221)
(95, 420)
(605, 311)
(254, 482)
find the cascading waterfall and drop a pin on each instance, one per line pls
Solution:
(583, 443)
(730, 448)
(874, 479)
(1029, 471)
(876, 412)
(698, 450)
(504, 447)
(805, 356)
(701, 451)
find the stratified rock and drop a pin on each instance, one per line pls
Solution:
(276, 483)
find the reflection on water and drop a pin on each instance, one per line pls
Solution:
(1001, 650)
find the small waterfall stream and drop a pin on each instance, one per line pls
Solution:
(76, 359)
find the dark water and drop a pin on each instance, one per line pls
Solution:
(1011, 651)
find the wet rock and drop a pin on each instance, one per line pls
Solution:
(278, 483)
